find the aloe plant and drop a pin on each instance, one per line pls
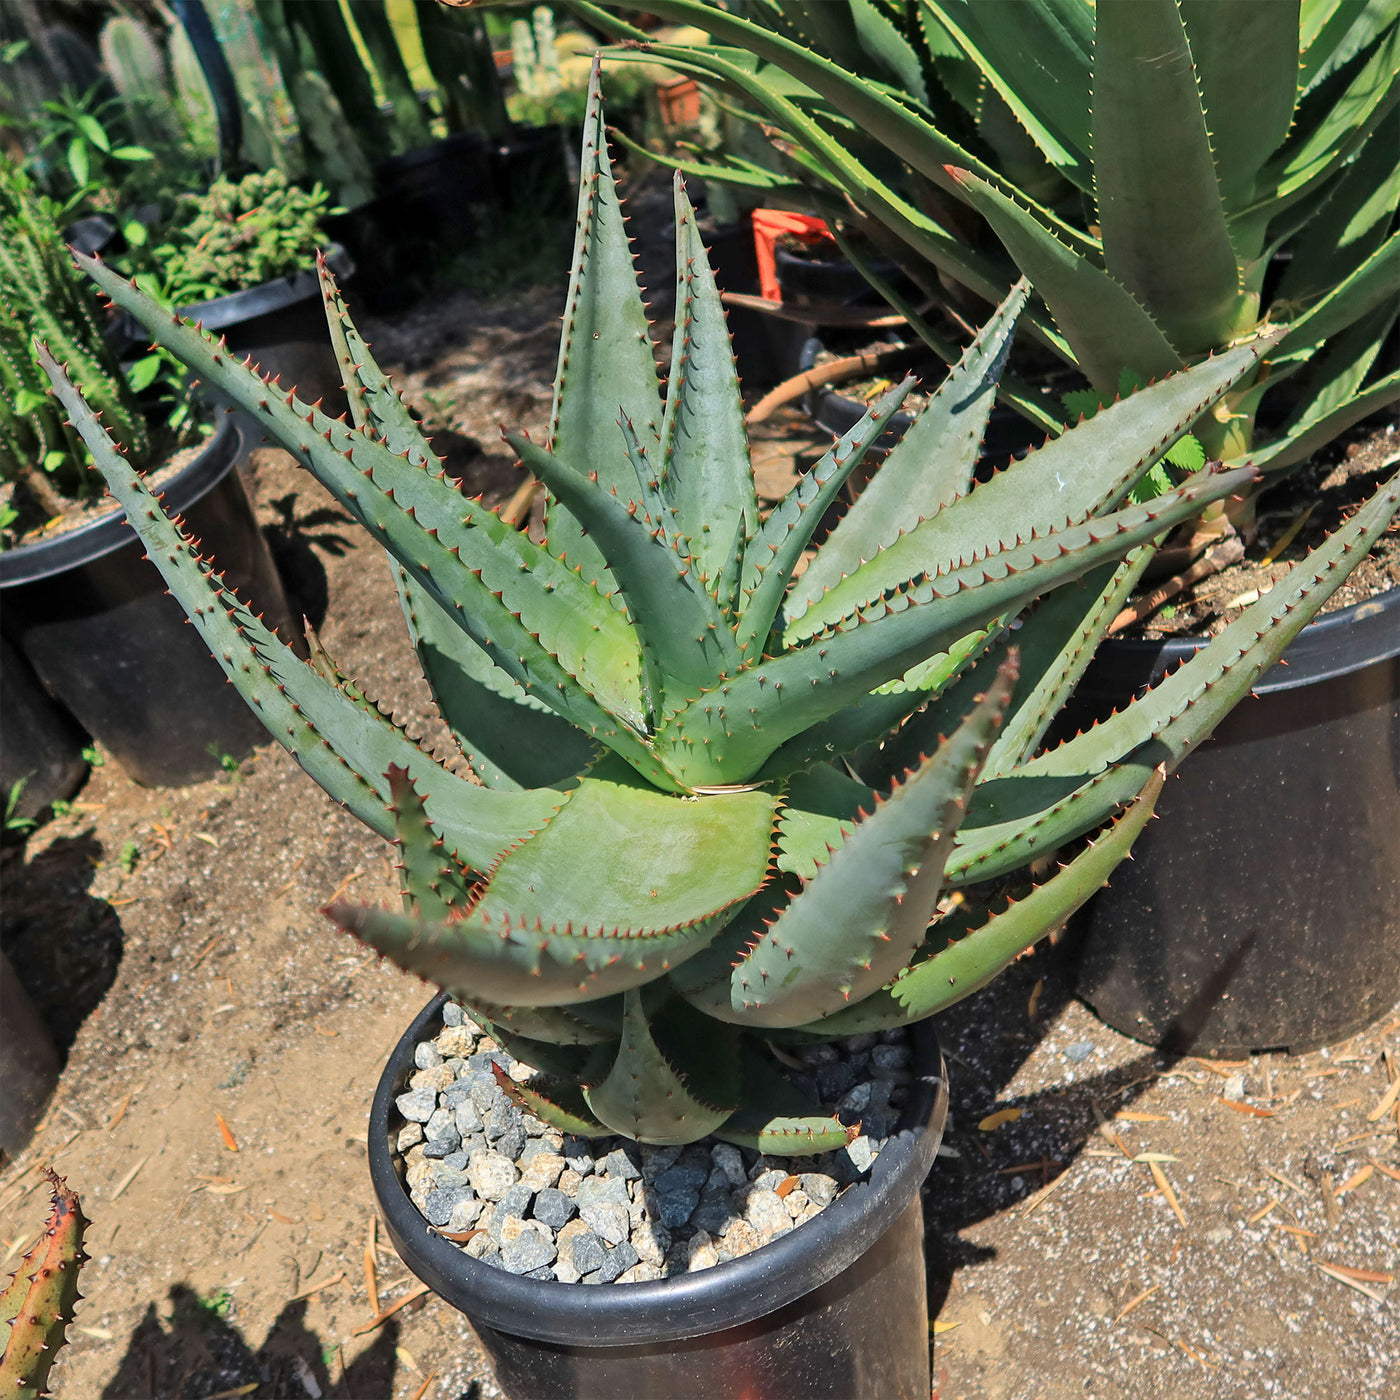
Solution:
(1145, 163)
(715, 802)
(37, 1303)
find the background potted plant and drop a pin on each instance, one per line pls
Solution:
(1160, 208)
(76, 593)
(669, 861)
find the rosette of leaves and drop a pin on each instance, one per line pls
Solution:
(722, 799)
(242, 233)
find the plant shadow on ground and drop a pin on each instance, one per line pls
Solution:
(989, 1175)
(65, 945)
(198, 1351)
(295, 540)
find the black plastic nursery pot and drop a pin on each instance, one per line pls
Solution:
(90, 614)
(41, 746)
(282, 325)
(1263, 910)
(835, 1309)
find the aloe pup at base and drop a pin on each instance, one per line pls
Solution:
(717, 806)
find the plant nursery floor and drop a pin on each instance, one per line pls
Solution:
(223, 1043)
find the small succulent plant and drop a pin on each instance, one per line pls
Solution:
(37, 1302)
(716, 805)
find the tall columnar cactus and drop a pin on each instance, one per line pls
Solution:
(37, 1303)
(42, 296)
(716, 804)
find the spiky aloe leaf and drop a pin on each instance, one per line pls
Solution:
(777, 1119)
(606, 366)
(346, 746)
(38, 1301)
(548, 629)
(931, 465)
(675, 1094)
(704, 445)
(973, 959)
(562, 1106)
(863, 914)
(1071, 789)
(1092, 470)
(733, 727)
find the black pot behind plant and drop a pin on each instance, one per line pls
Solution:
(90, 614)
(1263, 910)
(41, 746)
(836, 1308)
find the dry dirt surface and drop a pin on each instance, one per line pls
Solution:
(222, 1044)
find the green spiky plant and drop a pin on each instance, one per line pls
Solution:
(37, 1302)
(715, 803)
(42, 295)
(1169, 174)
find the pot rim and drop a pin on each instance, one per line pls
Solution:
(41, 559)
(690, 1305)
(219, 313)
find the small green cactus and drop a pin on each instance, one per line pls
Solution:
(723, 799)
(37, 1303)
(41, 295)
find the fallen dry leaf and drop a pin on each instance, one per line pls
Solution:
(993, 1121)
(226, 1133)
(1244, 1107)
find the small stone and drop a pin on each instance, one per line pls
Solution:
(541, 1169)
(564, 1269)
(796, 1202)
(501, 1119)
(578, 1154)
(454, 1162)
(861, 1152)
(818, 1187)
(674, 1207)
(618, 1163)
(701, 1252)
(409, 1135)
(426, 1055)
(467, 1119)
(418, 1105)
(492, 1175)
(595, 1190)
(1079, 1051)
(419, 1175)
(440, 1202)
(770, 1179)
(834, 1079)
(516, 1201)
(857, 1098)
(739, 1239)
(486, 1093)
(465, 1214)
(483, 1247)
(862, 1040)
(608, 1220)
(618, 1261)
(656, 1160)
(651, 1240)
(435, 1077)
(589, 1253)
(818, 1054)
(553, 1207)
(519, 1073)
(887, 1057)
(727, 1159)
(1221, 1234)
(452, 1014)
(569, 1181)
(441, 1125)
(714, 1213)
(645, 1272)
(443, 1175)
(766, 1212)
(1234, 1088)
(512, 1142)
(682, 1177)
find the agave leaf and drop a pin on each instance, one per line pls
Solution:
(1109, 329)
(1093, 471)
(1246, 62)
(1164, 233)
(931, 465)
(862, 916)
(778, 1120)
(343, 745)
(704, 444)
(1374, 283)
(433, 887)
(970, 962)
(647, 1095)
(562, 1106)
(605, 350)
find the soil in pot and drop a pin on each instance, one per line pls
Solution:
(528, 1210)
